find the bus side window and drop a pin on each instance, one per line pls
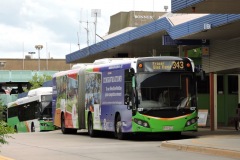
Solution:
(21, 113)
(37, 109)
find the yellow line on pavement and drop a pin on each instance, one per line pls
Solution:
(5, 158)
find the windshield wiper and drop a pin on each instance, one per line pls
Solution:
(184, 103)
(146, 110)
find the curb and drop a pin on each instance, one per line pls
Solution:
(200, 149)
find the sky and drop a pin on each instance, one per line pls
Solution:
(60, 25)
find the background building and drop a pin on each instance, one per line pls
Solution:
(32, 64)
(123, 20)
(15, 73)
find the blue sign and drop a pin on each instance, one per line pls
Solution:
(168, 41)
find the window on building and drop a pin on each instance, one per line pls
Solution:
(220, 84)
(233, 84)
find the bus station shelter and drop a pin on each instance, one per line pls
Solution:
(206, 31)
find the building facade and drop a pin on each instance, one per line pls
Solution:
(122, 20)
(33, 64)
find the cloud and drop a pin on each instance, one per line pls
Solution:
(55, 24)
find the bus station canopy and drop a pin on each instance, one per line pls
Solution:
(206, 6)
(141, 41)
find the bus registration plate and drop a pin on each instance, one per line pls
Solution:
(167, 128)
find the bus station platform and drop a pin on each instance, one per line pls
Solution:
(221, 142)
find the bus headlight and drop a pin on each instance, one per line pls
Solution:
(44, 124)
(141, 122)
(191, 121)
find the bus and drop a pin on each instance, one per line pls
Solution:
(127, 96)
(32, 113)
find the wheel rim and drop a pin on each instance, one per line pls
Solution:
(119, 127)
(33, 128)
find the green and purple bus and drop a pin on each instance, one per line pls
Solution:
(32, 113)
(127, 96)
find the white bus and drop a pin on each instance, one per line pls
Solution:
(32, 113)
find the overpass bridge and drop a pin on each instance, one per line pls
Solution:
(11, 80)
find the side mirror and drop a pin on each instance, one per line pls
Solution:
(128, 102)
(126, 99)
(202, 74)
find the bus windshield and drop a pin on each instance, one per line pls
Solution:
(46, 106)
(166, 91)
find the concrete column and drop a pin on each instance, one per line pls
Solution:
(215, 101)
(239, 88)
(211, 85)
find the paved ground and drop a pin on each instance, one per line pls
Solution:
(222, 142)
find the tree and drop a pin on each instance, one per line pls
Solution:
(38, 80)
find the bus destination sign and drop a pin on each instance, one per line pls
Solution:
(178, 65)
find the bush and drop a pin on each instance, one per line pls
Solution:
(4, 131)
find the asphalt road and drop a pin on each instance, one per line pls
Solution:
(54, 145)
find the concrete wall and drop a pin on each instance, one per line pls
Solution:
(132, 19)
(32, 64)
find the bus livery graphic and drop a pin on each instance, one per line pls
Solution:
(127, 95)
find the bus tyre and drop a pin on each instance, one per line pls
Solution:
(91, 131)
(32, 127)
(118, 129)
(15, 129)
(63, 129)
(73, 131)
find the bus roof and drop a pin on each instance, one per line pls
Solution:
(80, 65)
(33, 95)
(105, 62)
(40, 91)
(116, 60)
(71, 71)
(113, 60)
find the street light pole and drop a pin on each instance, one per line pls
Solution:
(38, 47)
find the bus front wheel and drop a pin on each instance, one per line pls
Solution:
(32, 128)
(118, 129)
(15, 129)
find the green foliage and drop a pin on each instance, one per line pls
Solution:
(38, 80)
(2, 110)
(4, 131)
